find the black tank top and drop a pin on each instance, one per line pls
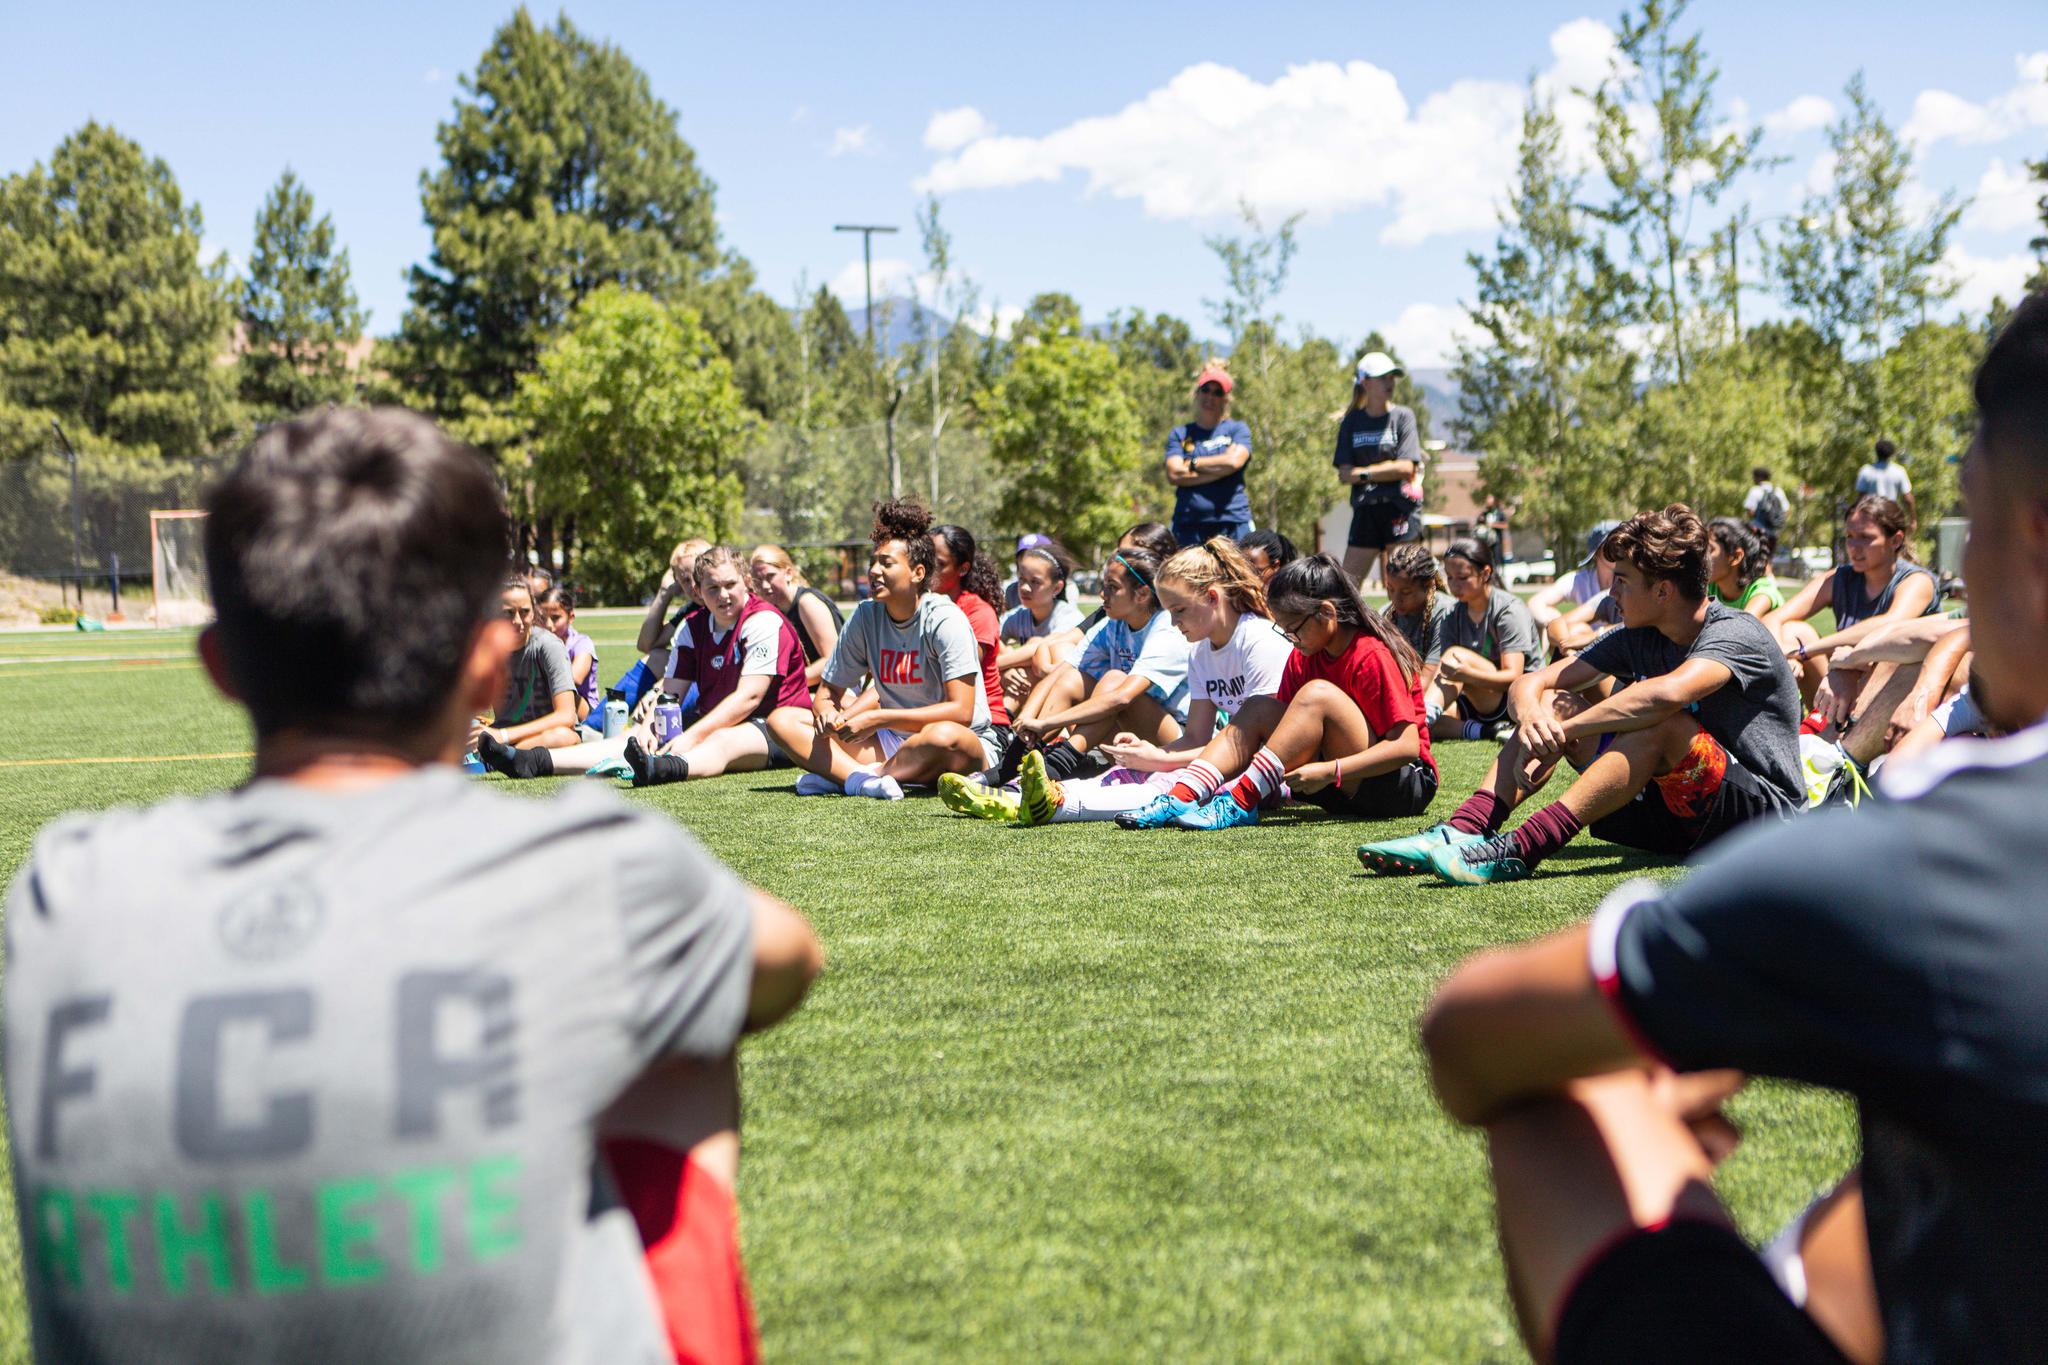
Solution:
(1853, 602)
(796, 618)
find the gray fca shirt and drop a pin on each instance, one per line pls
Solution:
(312, 1076)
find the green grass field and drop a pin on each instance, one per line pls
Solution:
(1066, 1093)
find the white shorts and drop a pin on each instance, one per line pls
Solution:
(991, 744)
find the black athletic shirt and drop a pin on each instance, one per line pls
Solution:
(1898, 952)
(796, 618)
(1852, 600)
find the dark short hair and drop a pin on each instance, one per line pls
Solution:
(352, 555)
(1885, 449)
(2011, 390)
(908, 521)
(1668, 546)
(1278, 548)
(1155, 536)
(1762, 474)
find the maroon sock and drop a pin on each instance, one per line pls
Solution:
(1545, 832)
(1481, 813)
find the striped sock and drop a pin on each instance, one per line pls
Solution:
(1259, 780)
(1197, 782)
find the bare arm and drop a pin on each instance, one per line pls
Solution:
(824, 634)
(657, 615)
(1469, 666)
(1518, 1023)
(1108, 698)
(1912, 598)
(1804, 603)
(958, 707)
(1402, 744)
(787, 959)
(564, 714)
(1183, 471)
(1901, 642)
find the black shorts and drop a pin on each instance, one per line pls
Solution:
(1468, 711)
(1378, 524)
(1685, 811)
(1405, 791)
(1687, 1292)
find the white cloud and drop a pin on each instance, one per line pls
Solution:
(2007, 198)
(952, 129)
(858, 141)
(996, 321)
(1985, 277)
(1321, 138)
(1938, 115)
(435, 75)
(1802, 115)
(1428, 333)
(895, 278)
(800, 114)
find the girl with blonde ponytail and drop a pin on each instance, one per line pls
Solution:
(1213, 597)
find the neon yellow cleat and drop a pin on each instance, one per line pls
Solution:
(965, 796)
(1042, 796)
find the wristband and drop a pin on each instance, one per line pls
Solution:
(1338, 781)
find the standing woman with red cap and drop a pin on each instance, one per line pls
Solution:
(1205, 462)
(1379, 457)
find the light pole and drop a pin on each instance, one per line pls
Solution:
(867, 233)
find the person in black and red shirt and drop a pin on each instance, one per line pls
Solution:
(1895, 952)
(1351, 737)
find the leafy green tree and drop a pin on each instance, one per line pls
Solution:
(1661, 173)
(635, 417)
(1547, 388)
(1862, 270)
(1062, 430)
(1157, 360)
(110, 324)
(560, 173)
(1930, 413)
(1292, 396)
(298, 310)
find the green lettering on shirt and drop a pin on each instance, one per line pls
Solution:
(342, 1229)
(57, 1237)
(114, 1208)
(493, 1208)
(268, 1270)
(175, 1245)
(422, 1190)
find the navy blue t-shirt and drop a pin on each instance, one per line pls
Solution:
(1896, 952)
(1225, 499)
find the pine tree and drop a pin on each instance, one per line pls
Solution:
(1546, 391)
(110, 324)
(298, 310)
(1661, 174)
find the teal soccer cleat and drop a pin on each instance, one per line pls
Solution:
(1165, 809)
(1410, 853)
(1480, 862)
(1221, 812)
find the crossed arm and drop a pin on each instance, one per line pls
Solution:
(1192, 471)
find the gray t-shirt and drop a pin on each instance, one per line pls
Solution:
(1425, 629)
(313, 1076)
(1887, 480)
(910, 663)
(1020, 625)
(1755, 715)
(540, 668)
(1506, 627)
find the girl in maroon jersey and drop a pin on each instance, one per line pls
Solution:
(747, 666)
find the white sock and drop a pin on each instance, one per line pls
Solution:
(874, 785)
(810, 784)
(1093, 799)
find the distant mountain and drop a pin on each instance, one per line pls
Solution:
(1441, 392)
(897, 323)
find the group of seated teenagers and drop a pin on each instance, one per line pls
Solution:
(1669, 672)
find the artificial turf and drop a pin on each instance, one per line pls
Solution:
(1068, 1093)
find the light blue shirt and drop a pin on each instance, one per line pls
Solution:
(1155, 651)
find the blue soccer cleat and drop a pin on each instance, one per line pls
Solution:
(1480, 863)
(1221, 812)
(1164, 809)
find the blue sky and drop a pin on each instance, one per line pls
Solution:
(1086, 148)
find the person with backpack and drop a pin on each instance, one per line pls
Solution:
(1765, 507)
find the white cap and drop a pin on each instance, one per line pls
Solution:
(1375, 365)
